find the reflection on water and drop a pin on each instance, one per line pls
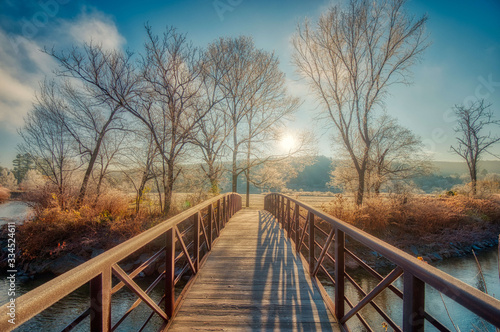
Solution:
(464, 269)
(14, 211)
(63, 312)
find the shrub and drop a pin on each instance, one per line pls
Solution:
(4, 194)
(417, 216)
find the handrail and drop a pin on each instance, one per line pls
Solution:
(99, 270)
(416, 273)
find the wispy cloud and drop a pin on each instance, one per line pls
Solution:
(97, 28)
(22, 68)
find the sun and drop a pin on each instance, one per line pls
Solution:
(287, 142)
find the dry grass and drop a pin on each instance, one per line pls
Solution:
(103, 224)
(4, 194)
(419, 215)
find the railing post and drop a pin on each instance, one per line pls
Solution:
(339, 273)
(297, 225)
(310, 216)
(413, 303)
(210, 224)
(224, 212)
(169, 272)
(275, 205)
(196, 241)
(288, 217)
(100, 302)
(219, 216)
(277, 214)
(283, 212)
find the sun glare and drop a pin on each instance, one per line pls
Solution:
(287, 142)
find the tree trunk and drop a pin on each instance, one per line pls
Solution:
(140, 191)
(235, 156)
(160, 200)
(168, 188)
(473, 178)
(247, 173)
(361, 185)
(212, 177)
(93, 157)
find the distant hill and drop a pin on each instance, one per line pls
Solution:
(447, 168)
(446, 174)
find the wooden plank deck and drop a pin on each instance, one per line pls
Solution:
(253, 281)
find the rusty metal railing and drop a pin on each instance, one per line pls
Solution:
(302, 222)
(200, 225)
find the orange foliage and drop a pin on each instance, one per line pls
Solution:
(4, 194)
(418, 215)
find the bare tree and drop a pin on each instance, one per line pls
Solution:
(215, 127)
(137, 162)
(90, 122)
(275, 174)
(47, 140)
(211, 140)
(473, 141)
(397, 154)
(172, 72)
(350, 59)
(256, 100)
(108, 85)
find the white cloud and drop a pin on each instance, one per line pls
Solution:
(96, 28)
(23, 66)
(19, 75)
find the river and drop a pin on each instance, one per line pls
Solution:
(462, 268)
(14, 211)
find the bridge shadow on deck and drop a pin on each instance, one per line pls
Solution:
(294, 301)
(253, 281)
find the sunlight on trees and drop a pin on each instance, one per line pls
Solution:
(350, 58)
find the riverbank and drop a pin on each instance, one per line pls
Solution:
(432, 228)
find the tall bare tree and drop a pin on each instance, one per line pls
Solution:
(350, 59)
(108, 84)
(90, 122)
(215, 128)
(47, 140)
(473, 138)
(172, 71)
(255, 97)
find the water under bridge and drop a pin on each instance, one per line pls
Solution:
(223, 268)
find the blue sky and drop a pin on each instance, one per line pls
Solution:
(463, 62)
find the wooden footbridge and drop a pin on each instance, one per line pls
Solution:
(221, 268)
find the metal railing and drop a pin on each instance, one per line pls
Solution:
(200, 225)
(302, 225)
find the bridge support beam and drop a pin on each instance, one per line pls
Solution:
(169, 272)
(100, 302)
(413, 303)
(312, 257)
(339, 273)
